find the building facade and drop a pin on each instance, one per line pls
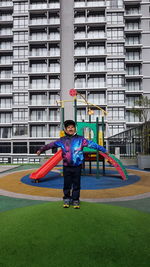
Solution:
(100, 47)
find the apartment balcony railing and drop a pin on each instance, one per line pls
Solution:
(6, 4)
(91, 19)
(90, 35)
(99, 3)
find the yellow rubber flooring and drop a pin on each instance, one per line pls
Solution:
(11, 182)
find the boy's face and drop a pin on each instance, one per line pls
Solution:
(70, 130)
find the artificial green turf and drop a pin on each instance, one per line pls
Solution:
(47, 235)
(8, 203)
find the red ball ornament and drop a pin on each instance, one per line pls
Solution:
(73, 92)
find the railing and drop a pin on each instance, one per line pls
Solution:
(132, 141)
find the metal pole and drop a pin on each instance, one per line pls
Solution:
(97, 152)
(103, 129)
(75, 110)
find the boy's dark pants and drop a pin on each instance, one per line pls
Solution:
(72, 177)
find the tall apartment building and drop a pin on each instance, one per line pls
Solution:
(47, 47)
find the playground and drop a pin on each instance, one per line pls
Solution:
(111, 229)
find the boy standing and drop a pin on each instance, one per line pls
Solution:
(72, 146)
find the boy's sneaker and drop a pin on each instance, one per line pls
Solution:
(76, 204)
(66, 203)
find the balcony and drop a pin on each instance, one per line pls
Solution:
(80, 4)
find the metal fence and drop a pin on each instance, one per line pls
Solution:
(131, 142)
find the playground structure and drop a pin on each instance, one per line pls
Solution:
(90, 155)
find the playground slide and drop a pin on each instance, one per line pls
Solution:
(54, 160)
(117, 164)
(48, 165)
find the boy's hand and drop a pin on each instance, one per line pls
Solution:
(38, 153)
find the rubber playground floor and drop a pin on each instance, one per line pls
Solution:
(17, 190)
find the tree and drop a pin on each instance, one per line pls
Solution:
(143, 112)
(143, 108)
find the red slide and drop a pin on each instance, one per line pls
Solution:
(48, 165)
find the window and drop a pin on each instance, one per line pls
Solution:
(20, 37)
(133, 70)
(80, 81)
(115, 81)
(80, 32)
(6, 31)
(131, 117)
(80, 65)
(53, 98)
(132, 10)
(38, 99)
(19, 147)
(54, 34)
(5, 60)
(114, 4)
(40, 51)
(20, 99)
(5, 45)
(5, 88)
(134, 85)
(81, 115)
(6, 74)
(54, 66)
(38, 83)
(38, 35)
(96, 48)
(38, 131)
(35, 146)
(80, 49)
(20, 83)
(132, 100)
(131, 40)
(20, 67)
(115, 33)
(96, 81)
(54, 18)
(20, 7)
(5, 103)
(79, 3)
(54, 115)
(96, 33)
(5, 148)
(38, 67)
(5, 132)
(53, 131)
(115, 97)
(38, 115)
(54, 82)
(20, 22)
(94, 16)
(80, 17)
(97, 98)
(21, 52)
(96, 65)
(115, 64)
(115, 49)
(132, 25)
(133, 55)
(115, 129)
(116, 114)
(54, 50)
(115, 18)
(20, 129)
(5, 117)
(20, 114)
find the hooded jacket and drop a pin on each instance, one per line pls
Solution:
(72, 148)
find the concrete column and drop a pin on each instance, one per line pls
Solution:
(67, 55)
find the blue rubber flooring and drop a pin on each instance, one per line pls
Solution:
(110, 180)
